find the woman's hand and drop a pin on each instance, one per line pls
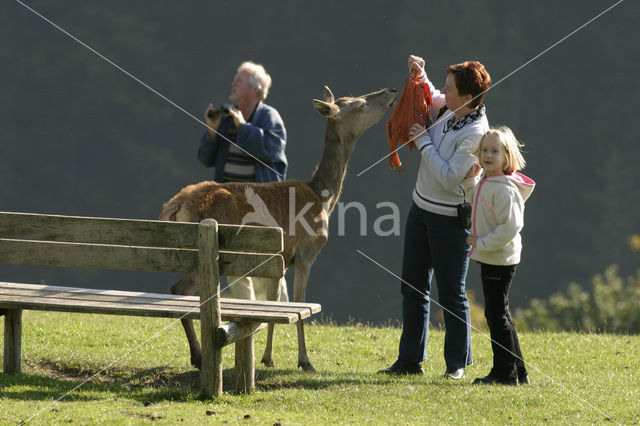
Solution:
(472, 240)
(416, 130)
(416, 65)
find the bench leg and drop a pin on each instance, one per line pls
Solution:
(245, 368)
(12, 361)
(211, 373)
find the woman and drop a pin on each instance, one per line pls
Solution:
(435, 239)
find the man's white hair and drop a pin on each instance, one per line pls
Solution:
(259, 78)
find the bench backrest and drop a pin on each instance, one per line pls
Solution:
(207, 248)
(135, 245)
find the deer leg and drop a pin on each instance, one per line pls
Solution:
(241, 288)
(284, 293)
(273, 287)
(300, 277)
(188, 286)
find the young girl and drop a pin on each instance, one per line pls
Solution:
(498, 197)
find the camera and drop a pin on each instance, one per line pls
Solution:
(220, 109)
(464, 215)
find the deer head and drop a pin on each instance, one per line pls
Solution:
(352, 116)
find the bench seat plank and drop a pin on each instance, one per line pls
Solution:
(71, 299)
(111, 308)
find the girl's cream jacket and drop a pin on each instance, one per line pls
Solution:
(498, 216)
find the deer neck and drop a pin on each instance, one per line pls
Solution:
(328, 177)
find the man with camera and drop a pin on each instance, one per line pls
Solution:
(245, 142)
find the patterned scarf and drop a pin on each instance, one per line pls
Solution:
(452, 124)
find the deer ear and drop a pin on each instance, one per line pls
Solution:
(327, 96)
(359, 103)
(326, 109)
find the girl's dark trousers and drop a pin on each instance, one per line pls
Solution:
(507, 357)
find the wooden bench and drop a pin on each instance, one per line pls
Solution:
(207, 248)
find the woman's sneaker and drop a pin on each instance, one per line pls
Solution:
(455, 374)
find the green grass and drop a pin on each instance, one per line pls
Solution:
(577, 378)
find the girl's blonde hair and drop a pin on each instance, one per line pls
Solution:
(514, 160)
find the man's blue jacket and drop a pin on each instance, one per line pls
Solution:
(263, 136)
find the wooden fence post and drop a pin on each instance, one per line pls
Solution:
(211, 373)
(12, 361)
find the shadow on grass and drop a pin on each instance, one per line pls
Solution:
(274, 379)
(270, 379)
(51, 380)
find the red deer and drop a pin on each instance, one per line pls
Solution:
(315, 199)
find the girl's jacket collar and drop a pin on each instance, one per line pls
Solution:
(523, 183)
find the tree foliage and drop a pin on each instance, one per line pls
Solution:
(611, 305)
(79, 137)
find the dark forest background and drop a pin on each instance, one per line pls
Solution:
(79, 137)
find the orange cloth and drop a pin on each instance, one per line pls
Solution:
(413, 107)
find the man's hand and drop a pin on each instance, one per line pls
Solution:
(212, 123)
(238, 118)
(416, 65)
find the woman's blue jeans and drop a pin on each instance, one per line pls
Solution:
(435, 243)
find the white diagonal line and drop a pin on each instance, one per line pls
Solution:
(497, 83)
(142, 83)
(571, 393)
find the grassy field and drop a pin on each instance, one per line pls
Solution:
(576, 378)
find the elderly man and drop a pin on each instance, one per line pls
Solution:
(246, 144)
